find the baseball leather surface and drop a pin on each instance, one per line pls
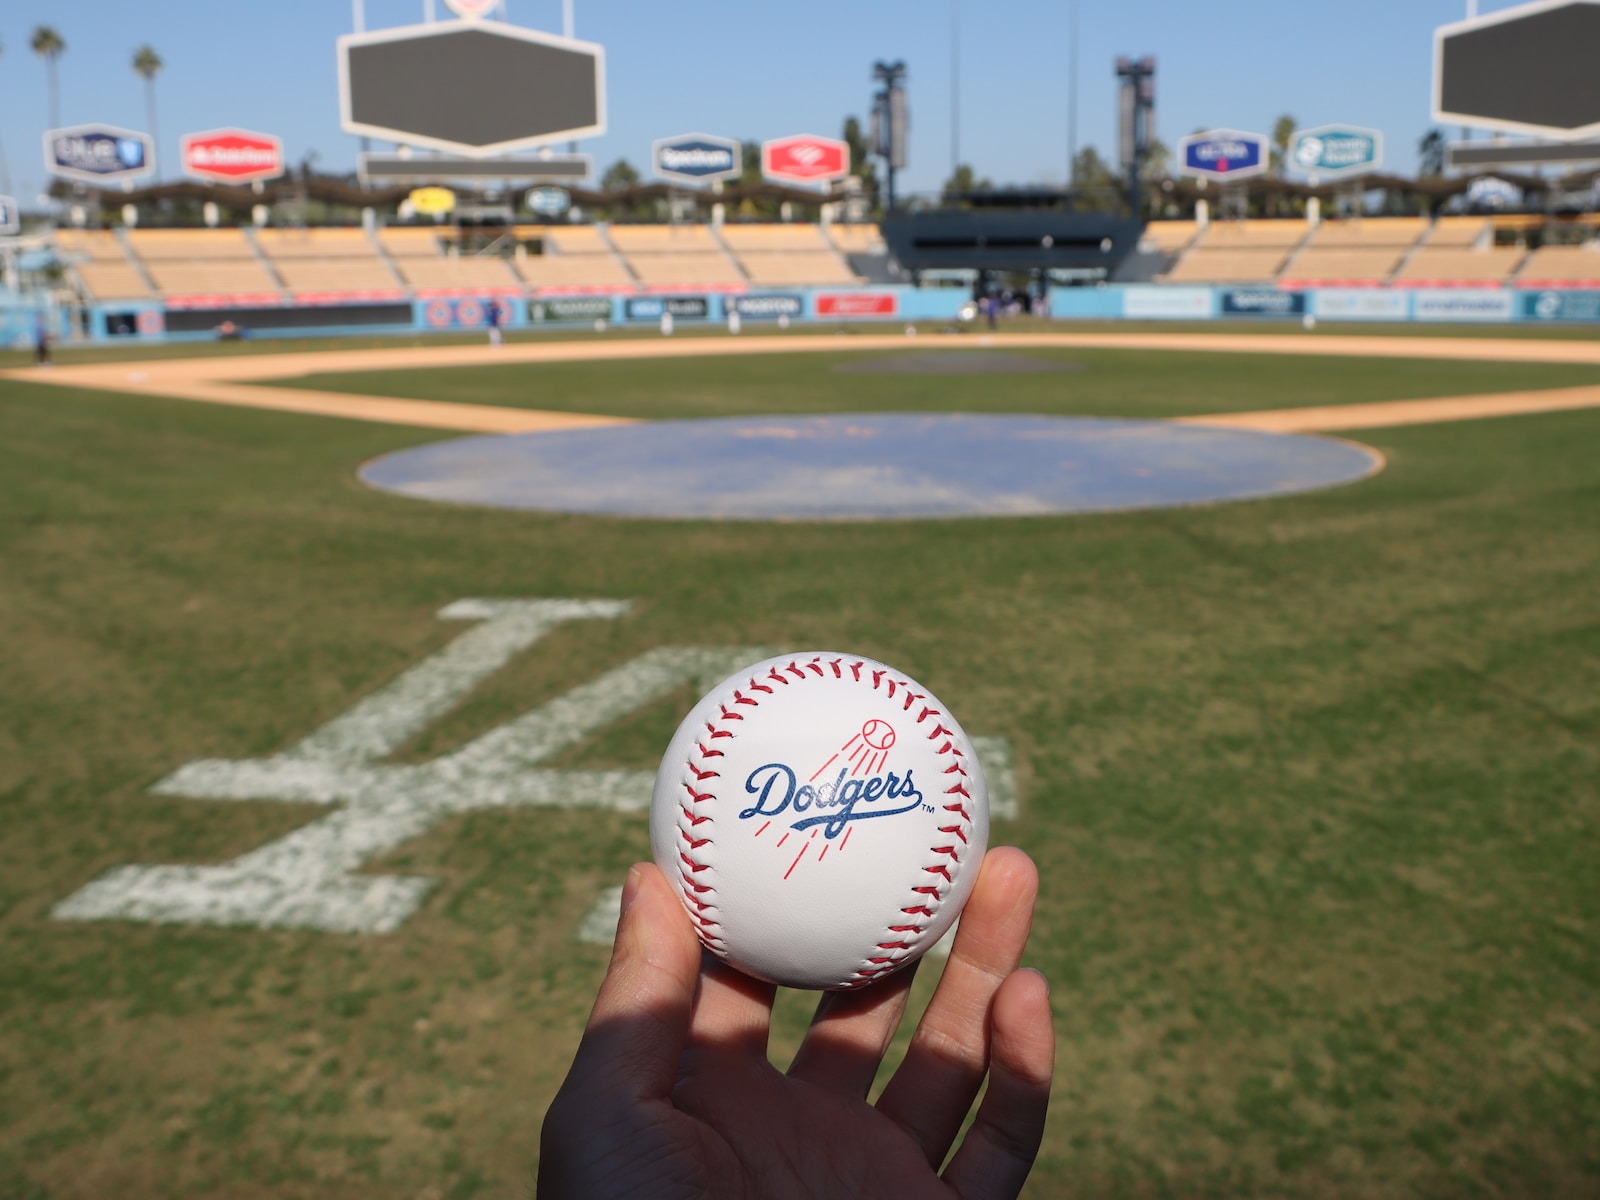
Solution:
(823, 817)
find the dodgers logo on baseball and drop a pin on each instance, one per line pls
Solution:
(824, 818)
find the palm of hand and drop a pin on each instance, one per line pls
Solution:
(672, 1094)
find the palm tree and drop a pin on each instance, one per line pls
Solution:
(147, 65)
(50, 45)
(1282, 134)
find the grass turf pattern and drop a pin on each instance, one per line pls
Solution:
(1312, 784)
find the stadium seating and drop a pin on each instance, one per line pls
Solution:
(786, 255)
(187, 264)
(328, 262)
(851, 239)
(1357, 252)
(1238, 252)
(668, 256)
(1562, 266)
(1453, 266)
(103, 269)
(1170, 237)
(1458, 231)
(575, 258)
(1254, 235)
(419, 254)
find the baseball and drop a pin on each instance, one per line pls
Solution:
(823, 818)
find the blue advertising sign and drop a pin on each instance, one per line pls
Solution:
(768, 307)
(650, 308)
(1336, 149)
(549, 201)
(697, 157)
(1223, 154)
(10, 216)
(1561, 306)
(96, 153)
(1263, 302)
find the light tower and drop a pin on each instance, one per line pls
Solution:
(891, 121)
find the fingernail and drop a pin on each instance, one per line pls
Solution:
(630, 887)
(1043, 978)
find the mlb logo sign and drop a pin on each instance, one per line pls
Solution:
(805, 158)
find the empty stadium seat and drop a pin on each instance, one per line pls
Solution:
(102, 268)
(1206, 265)
(1169, 237)
(1456, 267)
(328, 262)
(1562, 266)
(788, 255)
(667, 256)
(210, 263)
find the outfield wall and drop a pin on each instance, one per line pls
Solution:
(151, 321)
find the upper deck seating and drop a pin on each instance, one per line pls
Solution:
(1227, 265)
(1454, 266)
(1169, 237)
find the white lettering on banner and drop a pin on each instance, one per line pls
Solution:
(307, 879)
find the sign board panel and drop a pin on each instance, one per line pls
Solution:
(1462, 304)
(1561, 306)
(231, 155)
(857, 304)
(1166, 303)
(805, 158)
(1222, 154)
(10, 215)
(1360, 304)
(697, 157)
(650, 308)
(1337, 149)
(570, 308)
(768, 307)
(431, 201)
(395, 168)
(1528, 69)
(549, 201)
(97, 153)
(1262, 302)
(476, 88)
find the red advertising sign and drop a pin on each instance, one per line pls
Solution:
(232, 155)
(805, 158)
(857, 304)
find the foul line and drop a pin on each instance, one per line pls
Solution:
(228, 380)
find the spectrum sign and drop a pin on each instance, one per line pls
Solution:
(231, 156)
(805, 158)
(697, 157)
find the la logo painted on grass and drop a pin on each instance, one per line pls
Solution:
(307, 879)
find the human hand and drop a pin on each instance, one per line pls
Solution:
(671, 1093)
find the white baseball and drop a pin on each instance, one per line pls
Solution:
(823, 817)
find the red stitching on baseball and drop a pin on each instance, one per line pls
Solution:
(855, 670)
(940, 870)
(694, 796)
(959, 789)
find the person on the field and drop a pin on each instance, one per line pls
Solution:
(492, 316)
(41, 341)
(671, 1094)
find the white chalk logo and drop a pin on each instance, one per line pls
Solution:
(308, 880)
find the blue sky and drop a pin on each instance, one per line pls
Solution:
(760, 70)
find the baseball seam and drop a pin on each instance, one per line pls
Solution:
(696, 825)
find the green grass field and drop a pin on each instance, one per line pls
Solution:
(1313, 783)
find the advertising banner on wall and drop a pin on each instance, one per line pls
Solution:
(570, 308)
(1167, 303)
(1560, 306)
(1262, 302)
(857, 304)
(1462, 304)
(1360, 304)
(768, 307)
(1337, 150)
(682, 308)
(10, 216)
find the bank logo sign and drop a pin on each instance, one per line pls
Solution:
(97, 153)
(1223, 154)
(231, 155)
(1337, 149)
(696, 158)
